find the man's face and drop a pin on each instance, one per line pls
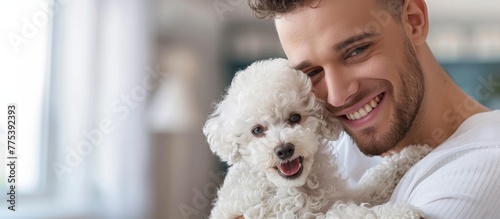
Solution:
(360, 62)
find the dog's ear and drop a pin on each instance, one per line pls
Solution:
(220, 138)
(330, 127)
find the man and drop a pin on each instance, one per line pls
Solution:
(369, 60)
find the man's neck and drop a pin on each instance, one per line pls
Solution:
(444, 106)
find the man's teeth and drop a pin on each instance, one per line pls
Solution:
(364, 110)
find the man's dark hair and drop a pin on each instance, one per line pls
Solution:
(268, 9)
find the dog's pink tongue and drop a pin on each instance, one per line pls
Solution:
(290, 168)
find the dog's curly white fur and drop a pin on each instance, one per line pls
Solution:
(273, 132)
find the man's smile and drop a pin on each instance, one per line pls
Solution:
(364, 110)
(363, 113)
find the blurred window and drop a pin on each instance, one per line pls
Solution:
(24, 57)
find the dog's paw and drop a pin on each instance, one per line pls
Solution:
(364, 211)
(398, 211)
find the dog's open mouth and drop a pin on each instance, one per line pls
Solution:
(290, 169)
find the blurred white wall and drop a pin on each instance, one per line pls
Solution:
(465, 30)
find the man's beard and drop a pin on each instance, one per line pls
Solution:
(406, 105)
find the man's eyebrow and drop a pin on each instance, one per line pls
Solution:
(302, 65)
(342, 45)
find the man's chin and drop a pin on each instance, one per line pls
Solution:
(371, 150)
(370, 146)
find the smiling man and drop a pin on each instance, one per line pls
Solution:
(369, 60)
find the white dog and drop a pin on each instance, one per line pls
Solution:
(273, 132)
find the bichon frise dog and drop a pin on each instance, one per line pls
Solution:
(273, 132)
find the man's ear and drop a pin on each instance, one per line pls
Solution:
(415, 21)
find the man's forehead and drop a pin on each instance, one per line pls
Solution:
(324, 27)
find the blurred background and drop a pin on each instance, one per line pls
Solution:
(112, 95)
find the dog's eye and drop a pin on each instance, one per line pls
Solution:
(258, 131)
(294, 119)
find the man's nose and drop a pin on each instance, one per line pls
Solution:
(339, 86)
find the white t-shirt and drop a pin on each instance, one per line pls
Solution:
(461, 177)
(458, 179)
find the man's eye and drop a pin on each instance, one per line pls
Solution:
(314, 72)
(315, 75)
(357, 51)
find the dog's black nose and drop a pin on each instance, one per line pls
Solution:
(284, 151)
